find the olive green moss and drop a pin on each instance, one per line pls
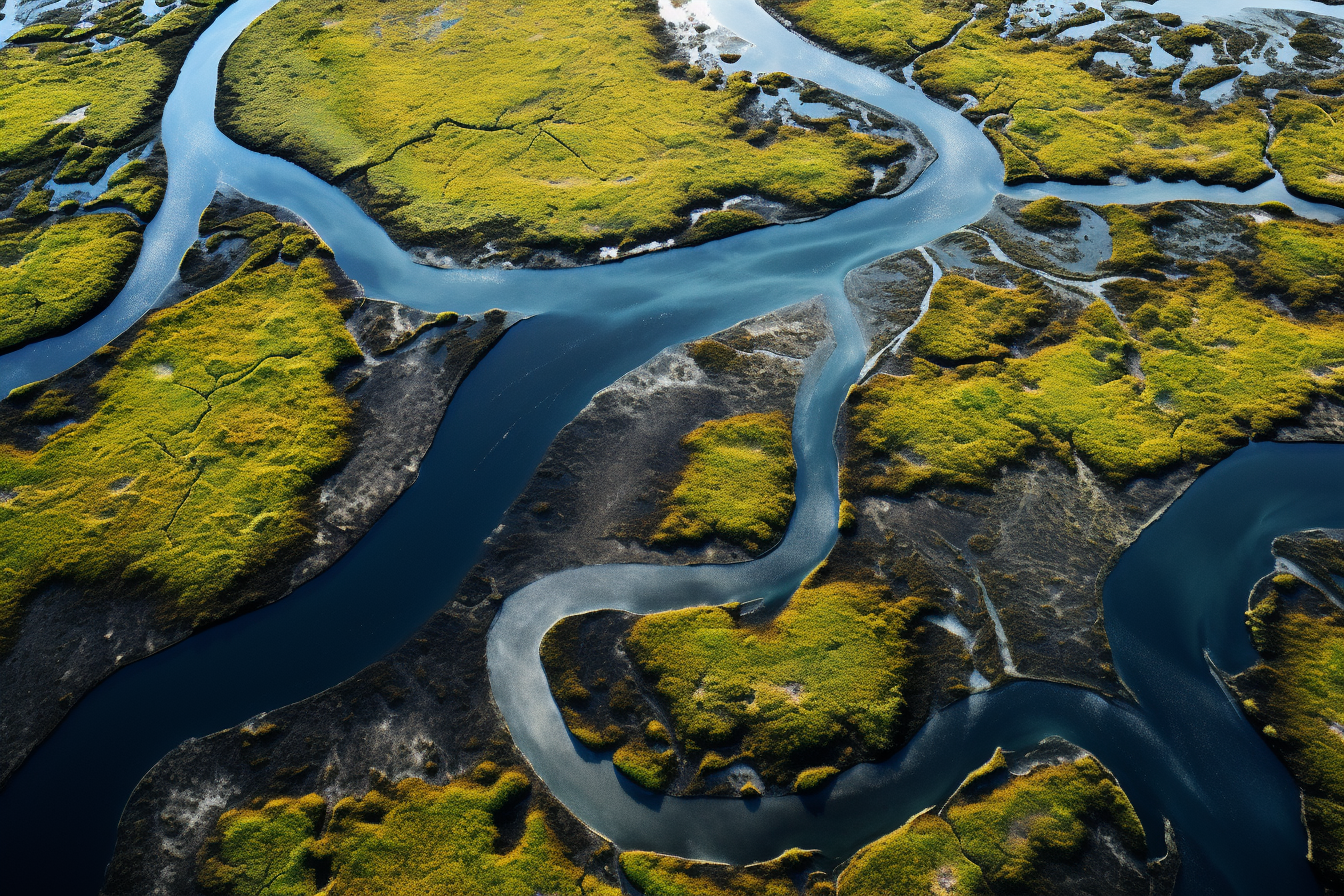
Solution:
(196, 467)
(889, 33)
(618, 151)
(1198, 366)
(736, 485)
(411, 837)
(1010, 825)
(831, 667)
(1309, 147)
(1294, 698)
(968, 322)
(922, 856)
(658, 875)
(647, 767)
(1049, 213)
(1066, 123)
(53, 278)
(122, 89)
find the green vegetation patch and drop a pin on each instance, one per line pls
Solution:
(54, 278)
(1308, 147)
(737, 484)
(1199, 366)
(197, 465)
(891, 32)
(411, 837)
(922, 856)
(1049, 213)
(968, 322)
(1010, 825)
(833, 665)
(618, 151)
(649, 768)
(659, 875)
(1296, 698)
(1076, 126)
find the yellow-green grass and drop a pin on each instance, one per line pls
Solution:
(1133, 249)
(409, 838)
(890, 32)
(922, 856)
(737, 484)
(1301, 260)
(1072, 125)
(660, 875)
(123, 89)
(1049, 213)
(199, 462)
(969, 321)
(1299, 706)
(1308, 147)
(552, 124)
(135, 186)
(648, 768)
(832, 665)
(1010, 825)
(1218, 366)
(54, 278)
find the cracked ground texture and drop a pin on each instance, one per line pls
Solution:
(213, 427)
(484, 129)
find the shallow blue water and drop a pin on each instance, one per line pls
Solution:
(1187, 754)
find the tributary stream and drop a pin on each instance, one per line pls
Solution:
(1184, 752)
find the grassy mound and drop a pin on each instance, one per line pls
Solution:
(551, 125)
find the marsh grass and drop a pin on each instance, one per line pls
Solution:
(920, 857)
(1066, 123)
(53, 278)
(737, 484)
(833, 665)
(561, 128)
(659, 875)
(403, 838)
(221, 416)
(1199, 366)
(1309, 146)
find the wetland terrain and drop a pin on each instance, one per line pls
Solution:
(683, 448)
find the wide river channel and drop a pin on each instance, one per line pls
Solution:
(1184, 752)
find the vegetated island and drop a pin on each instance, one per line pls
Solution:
(1294, 695)
(224, 450)
(81, 96)
(1088, 93)
(448, 124)
(1041, 385)
(645, 447)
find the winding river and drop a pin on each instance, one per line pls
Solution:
(1184, 752)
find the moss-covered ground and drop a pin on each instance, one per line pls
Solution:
(549, 125)
(1296, 698)
(1196, 366)
(408, 838)
(658, 875)
(737, 484)
(66, 113)
(1011, 825)
(922, 856)
(889, 33)
(53, 278)
(829, 670)
(208, 435)
(1060, 119)
(1309, 147)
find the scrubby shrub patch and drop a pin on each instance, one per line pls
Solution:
(411, 837)
(54, 278)
(222, 415)
(622, 148)
(737, 483)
